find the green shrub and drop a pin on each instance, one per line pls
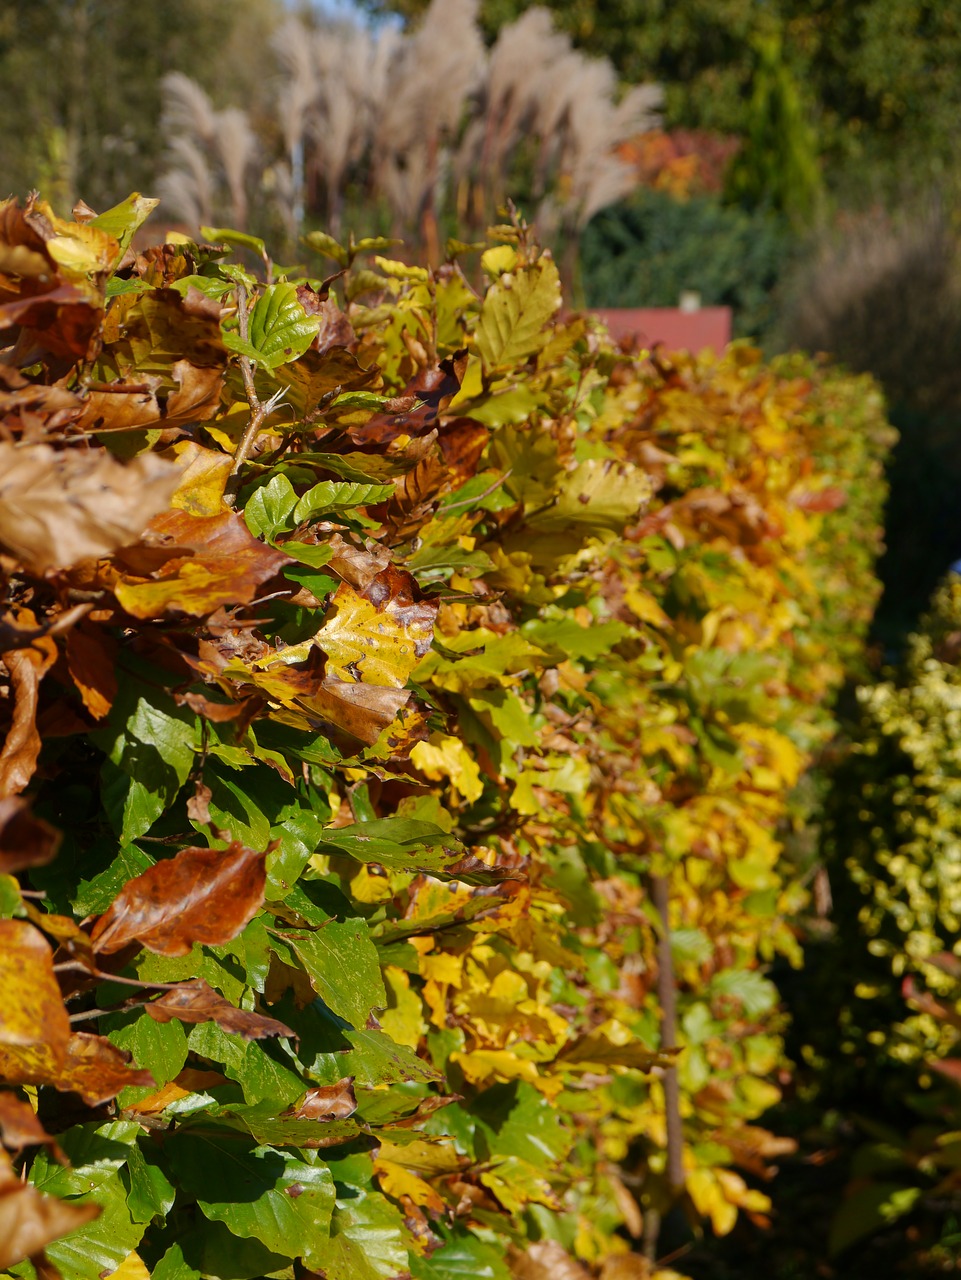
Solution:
(645, 251)
(416, 687)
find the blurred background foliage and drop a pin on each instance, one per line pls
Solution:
(796, 161)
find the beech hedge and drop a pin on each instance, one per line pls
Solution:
(405, 693)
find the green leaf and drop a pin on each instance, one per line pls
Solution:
(268, 510)
(868, 1210)
(341, 962)
(315, 554)
(280, 329)
(300, 833)
(334, 495)
(161, 1047)
(756, 993)
(516, 1120)
(212, 1252)
(515, 313)
(401, 843)
(151, 1194)
(327, 245)
(377, 1060)
(124, 219)
(243, 240)
(94, 896)
(461, 1257)
(565, 637)
(367, 1239)
(258, 1192)
(259, 1075)
(116, 287)
(98, 1154)
(152, 750)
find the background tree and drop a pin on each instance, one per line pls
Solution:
(80, 85)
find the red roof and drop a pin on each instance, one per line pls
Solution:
(677, 330)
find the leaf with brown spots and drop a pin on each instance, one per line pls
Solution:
(212, 561)
(377, 637)
(25, 841)
(200, 895)
(34, 1027)
(196, 1001)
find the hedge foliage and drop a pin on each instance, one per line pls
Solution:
(415, 686)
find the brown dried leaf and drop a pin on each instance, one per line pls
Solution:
(25, 841)
(29, 1220)
(363, 711)
(20, 1127)
(196, 1001)
(434, 388)
(123, 406)
(97, 1070)
(91, 661)
(197, 398)
(201, 895)
(32, 409)
(328, 1102)
(212, 561)
(198, 806)
(547, 1260)
(21, 748)
(57, 509)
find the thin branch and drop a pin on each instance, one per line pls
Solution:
(258, 410)
(123, 1007)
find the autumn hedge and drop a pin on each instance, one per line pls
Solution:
(405, 697)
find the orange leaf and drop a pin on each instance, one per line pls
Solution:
(212, 561)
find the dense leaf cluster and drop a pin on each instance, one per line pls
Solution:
(414, 686)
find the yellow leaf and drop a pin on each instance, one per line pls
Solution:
(397, 1181)
(403, 1019)
(204, 478)
(377, 643)
(132, 1268)
(443, 756)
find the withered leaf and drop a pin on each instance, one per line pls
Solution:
(363, 711)
(197, 397)
(29, 1220)
(25, 841)
(434, 389)
(97, 1070)
(21, 747)
(201, 895)
(213, 561)
(196, 1001)
(20, 1127)
(122, 406)
(31, 409)
(328, 1102)
(91, 661)
(57, 509)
